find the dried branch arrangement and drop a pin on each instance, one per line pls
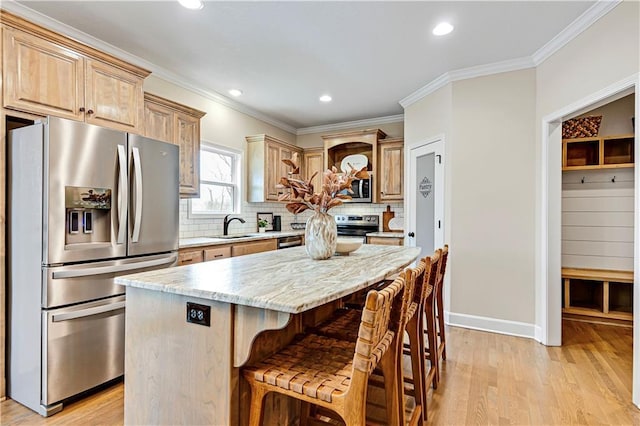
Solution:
(302, 195)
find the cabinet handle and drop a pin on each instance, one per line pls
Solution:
(81, 109)
(90, 112)
(187, 260)
(218, 255)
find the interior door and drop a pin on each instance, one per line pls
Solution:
(154, 196)
(425, 196)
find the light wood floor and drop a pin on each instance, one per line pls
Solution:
(487, 379)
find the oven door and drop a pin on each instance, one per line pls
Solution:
(82, 347)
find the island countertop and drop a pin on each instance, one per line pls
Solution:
(283, 280)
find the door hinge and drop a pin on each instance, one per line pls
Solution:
(439, 224)
(439, 158)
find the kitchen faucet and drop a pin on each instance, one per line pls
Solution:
(227, 221)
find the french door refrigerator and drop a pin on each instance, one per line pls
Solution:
(86, 204)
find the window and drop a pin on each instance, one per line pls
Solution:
(219, 182)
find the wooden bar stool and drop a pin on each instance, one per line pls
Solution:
(333, 373)
(342, 325)
(442, 350)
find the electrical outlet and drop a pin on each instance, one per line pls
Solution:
(199, 314)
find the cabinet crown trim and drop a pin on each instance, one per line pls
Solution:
(267, 138)
(149, 97)
(16, 22)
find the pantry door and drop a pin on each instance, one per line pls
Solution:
(425, 196)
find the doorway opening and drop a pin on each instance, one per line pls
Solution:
(552, 248)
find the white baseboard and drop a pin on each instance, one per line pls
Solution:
(493, 325)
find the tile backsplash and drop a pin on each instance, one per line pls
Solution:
(190, 227)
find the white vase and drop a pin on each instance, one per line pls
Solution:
(320, 236)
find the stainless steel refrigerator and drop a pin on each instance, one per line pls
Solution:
(86, 204)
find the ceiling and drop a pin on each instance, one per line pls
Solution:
(284, 55)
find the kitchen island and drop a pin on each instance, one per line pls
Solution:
(180, 372)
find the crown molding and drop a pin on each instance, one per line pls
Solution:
(351, 124)
(71, 32)
(466, 73)
(582, 22)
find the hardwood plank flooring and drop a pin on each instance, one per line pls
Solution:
(488, 379)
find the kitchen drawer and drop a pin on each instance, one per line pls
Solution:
(254, 247)
(189, 257)
(216, 253)
(387, 241)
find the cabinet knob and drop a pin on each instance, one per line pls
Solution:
(81, 109)
(90, 112)
(411, 234)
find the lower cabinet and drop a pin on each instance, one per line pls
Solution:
(188, 256)
(254, 247)
(386, 241)
(598, 293)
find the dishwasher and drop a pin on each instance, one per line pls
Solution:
(292, 241)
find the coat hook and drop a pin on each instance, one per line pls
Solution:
(582, 180)
(613, 180)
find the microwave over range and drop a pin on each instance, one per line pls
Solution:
(362, 190)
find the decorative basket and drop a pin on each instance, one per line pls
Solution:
(585, 127)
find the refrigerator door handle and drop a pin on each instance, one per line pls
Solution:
(122, 198)
(76, 273)
(137, 169)
(88, 312)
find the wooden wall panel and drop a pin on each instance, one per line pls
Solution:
(597, 222)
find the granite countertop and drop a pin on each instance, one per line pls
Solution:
(386, 234)
(252, 236)
(281, 280)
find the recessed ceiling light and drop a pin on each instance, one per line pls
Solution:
(325, 98)
(442, 28)
(235, 92)
(192, 4)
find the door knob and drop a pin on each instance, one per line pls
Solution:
(411, 234)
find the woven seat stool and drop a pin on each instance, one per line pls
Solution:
(333, 373)
(343, 325)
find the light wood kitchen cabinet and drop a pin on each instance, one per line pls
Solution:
(251, 247)
(391, 169)
(215, 253)
(113, 97)
(386, 241)
(179, 124)
(68, 79)
(339, 146)
(187, 257)
(313, 162)
(265, 155)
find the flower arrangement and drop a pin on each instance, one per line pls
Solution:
(262, 223)
(302, 195)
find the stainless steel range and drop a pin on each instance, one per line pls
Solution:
(357, 226)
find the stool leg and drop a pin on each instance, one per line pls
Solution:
(417, 364)
(388, 364)
(257, 398)
(443, 342)
(432, 343)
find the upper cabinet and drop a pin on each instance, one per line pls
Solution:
(391, 169)
(598, 153)
(265, 166)
(353, 147)
(179, 124)
(313, 162)
(68, 79)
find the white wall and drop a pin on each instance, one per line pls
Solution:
(492, 200)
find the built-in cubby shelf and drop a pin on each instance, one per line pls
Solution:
(598, 153)
(598, 293)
